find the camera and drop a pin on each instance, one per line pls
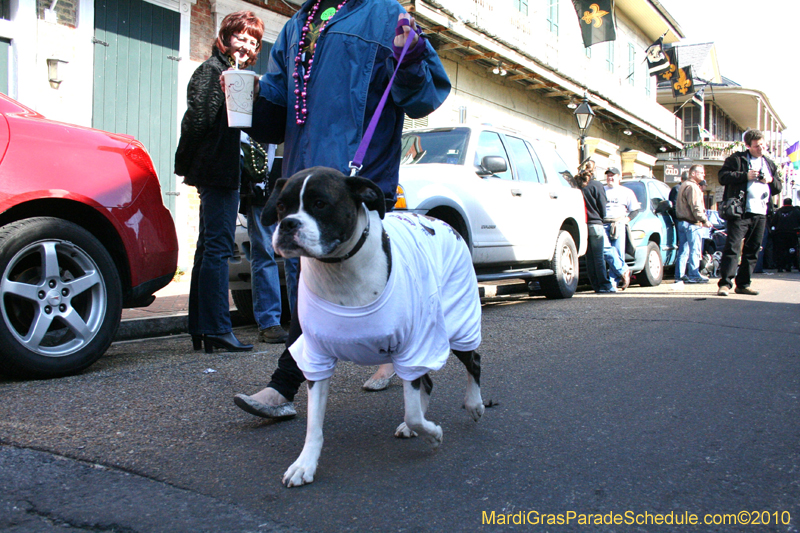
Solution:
(760, 175)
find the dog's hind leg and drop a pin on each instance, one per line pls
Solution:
(473, 402)
(417, 395)
(303, 469)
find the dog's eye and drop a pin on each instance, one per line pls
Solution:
(279, 207)
(319, 204)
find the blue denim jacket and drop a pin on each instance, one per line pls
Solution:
(352, 67)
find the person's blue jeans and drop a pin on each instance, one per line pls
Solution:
(595, 259)
(691, 241)
(209, 304)
(614, 254)
(266, 281)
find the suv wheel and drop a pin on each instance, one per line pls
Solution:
(61, 298)
(565, 265)
(653, 271)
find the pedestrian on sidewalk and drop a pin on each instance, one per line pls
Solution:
(343, 49)
(786, 222)
(208, 158)
(691, 214)
(750, 175)
(622, 206)
(594, 197)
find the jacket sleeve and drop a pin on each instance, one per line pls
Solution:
(731, 173)
(204, 101)
(776, 185)
(421, 87)
(270, 108)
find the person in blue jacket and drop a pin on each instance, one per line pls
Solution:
(327, 72)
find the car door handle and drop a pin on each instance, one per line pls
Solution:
(516, 192)
(553, 195)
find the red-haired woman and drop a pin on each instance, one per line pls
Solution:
(208, 158)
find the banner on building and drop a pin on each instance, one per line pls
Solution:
(657, 60)
(597, 20)
(669, 72)
(673, 171)
(682, 82)
(704, 133)
(698, 98)
(793, 153)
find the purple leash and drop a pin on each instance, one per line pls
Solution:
(358, 160)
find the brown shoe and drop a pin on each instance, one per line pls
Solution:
(746, 290)
(272, 335)
(723, 291)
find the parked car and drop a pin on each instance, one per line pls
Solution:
(511, 198)
(83, 233)
(653, 231)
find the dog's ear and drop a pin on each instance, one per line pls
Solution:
(364, 190)
(269, 215)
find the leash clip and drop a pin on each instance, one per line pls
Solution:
(355, 169)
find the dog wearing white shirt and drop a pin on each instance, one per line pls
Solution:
(374, 288)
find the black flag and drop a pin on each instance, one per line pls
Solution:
(672, 68)
(698, 98)
(682, 82)
(597, 20)
(657, 61)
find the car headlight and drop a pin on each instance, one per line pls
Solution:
(638, 235)
(400, 203)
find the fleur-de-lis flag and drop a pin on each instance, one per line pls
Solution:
(657, 60)
(672, 68)
(597, 20)
(682, 82)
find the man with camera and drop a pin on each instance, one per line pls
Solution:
(751, 176)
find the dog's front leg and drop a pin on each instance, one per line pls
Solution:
(303, 469)
(416, 406)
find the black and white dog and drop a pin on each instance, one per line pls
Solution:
(373, 289)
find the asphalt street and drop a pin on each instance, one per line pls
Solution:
(646, 405)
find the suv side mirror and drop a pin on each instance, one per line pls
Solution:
(492, 164)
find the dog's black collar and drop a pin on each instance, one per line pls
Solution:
(356, 248)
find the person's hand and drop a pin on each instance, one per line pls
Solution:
(400, 40)
(752, 175)
(708, 224)
(256, 85)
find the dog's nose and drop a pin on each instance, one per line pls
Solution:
(289, 224)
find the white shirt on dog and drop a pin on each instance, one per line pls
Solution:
(430, 304)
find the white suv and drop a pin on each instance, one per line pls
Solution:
(511, 198)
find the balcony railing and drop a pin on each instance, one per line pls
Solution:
(705, 151)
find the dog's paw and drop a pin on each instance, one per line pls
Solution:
(404, 432)
(435, 438)
(299, 474)
(475, 411)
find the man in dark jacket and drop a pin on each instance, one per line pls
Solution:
(786, 222)
(594, 196)
(753, 177)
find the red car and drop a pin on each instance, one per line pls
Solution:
(83, 233)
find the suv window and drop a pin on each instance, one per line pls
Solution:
(527, 169)
(551, 160)
(638, 189)
(489, 143)
(437, 146)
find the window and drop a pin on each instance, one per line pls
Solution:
(588, 50)
(489, 143)
(691, 118)
(527, 169)
(552, 16)
(631, 65)
(5, 9)
(610, 56)
(522, 6)
(648, 80)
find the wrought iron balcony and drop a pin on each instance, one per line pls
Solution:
(704, 151)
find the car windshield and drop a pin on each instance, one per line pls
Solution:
(638, 189)
(446, 146)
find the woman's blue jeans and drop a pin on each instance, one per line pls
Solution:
(209, 304)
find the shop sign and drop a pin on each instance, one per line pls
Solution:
(673, 171)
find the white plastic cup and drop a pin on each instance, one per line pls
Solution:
(239, 97)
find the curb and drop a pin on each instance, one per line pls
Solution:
(161, 326)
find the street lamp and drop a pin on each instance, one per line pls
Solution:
(584, 115)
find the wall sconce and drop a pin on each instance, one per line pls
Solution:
(52, 71)
(663, 148)
(627, 132)
(573, 103)
(499, 70)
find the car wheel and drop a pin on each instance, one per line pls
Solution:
(243, 299)
(61, 298)
(653, 271)
(565, 265)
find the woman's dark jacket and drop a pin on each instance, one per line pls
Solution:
(594, 195)
(208, 151)
(733, 175)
